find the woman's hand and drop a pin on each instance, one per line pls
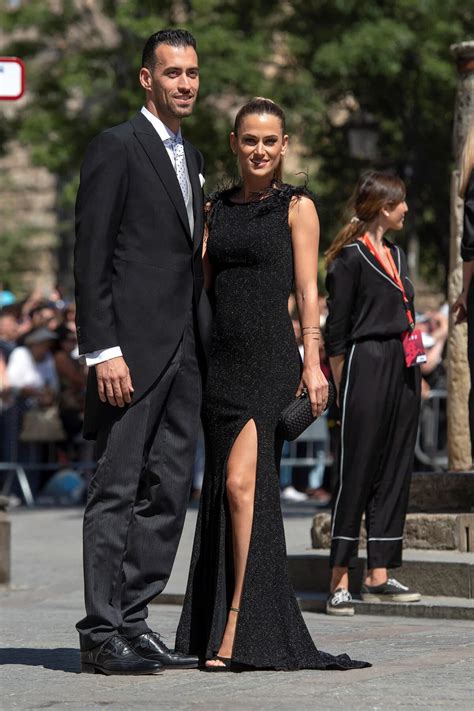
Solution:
(315, 383)
(460, 307)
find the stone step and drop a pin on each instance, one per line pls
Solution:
(445, 580)
(446, 608)
(433, 573)
(428, 531)
(447, 492)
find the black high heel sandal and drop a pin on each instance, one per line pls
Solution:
(228, 664)
(226, 661)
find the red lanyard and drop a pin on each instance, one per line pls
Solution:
(394, 275)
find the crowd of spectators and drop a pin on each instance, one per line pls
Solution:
(42, 388)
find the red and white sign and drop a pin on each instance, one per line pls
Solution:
(12, 78)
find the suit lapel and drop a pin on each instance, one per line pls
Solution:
(193, 171)
(156, 152)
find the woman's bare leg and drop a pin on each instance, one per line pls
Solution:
(376, 576)
(339, 578)
(240, 487)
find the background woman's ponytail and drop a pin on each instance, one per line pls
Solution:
(354, 229)
(373, 191)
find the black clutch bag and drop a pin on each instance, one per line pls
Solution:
(298, 416)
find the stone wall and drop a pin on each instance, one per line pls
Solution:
(27, 208)
(27, 194)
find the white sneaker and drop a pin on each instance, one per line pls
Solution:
(340, 603)
(391, 591)
(289, 493)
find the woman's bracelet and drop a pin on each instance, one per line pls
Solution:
(311, 331)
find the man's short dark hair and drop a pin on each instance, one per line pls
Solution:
(175, 38)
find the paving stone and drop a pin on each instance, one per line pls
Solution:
(417, 663)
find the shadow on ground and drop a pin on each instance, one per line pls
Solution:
(61, 659)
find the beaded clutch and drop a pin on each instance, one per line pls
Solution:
(298, 416)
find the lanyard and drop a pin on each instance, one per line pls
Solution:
(393, 274)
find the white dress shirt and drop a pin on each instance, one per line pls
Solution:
(163, 131)
(165, 134)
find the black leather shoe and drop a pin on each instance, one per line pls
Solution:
(151, 646)
(115, 656)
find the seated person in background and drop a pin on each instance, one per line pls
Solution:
(33, 385)
(288, 492)
(72, 376)
(303, 483)
(69, 314)
(3, 381)
(45, 315)
(8, 332)
(31, 370)
(434, 329)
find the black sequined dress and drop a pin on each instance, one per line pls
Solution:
(254, 371)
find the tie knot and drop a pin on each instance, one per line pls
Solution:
(175, 142)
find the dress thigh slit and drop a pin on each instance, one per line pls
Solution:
(226, 551)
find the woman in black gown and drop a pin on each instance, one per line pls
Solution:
(263, 237)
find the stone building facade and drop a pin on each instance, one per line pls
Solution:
(27, 202)
(27, 210)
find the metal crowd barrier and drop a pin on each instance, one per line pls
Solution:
(18, 470)
(430, 448)
(318, 434)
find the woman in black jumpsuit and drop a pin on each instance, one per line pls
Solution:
(370, 308)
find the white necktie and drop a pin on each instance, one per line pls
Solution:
(180, 166)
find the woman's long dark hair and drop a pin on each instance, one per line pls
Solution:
(373, 190)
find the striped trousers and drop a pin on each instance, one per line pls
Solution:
(379, 399)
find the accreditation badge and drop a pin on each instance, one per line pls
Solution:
(413, 346)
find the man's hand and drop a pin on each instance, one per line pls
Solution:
(459, 308)
(113, 381)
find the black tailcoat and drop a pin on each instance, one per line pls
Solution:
(137, 268)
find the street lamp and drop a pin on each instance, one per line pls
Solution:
(363, 136)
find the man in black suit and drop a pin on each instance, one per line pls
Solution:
(138, 271)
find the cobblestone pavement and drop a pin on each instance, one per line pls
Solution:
(417, 664)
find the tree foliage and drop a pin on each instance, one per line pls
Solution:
(15, 258)
(392, 58)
